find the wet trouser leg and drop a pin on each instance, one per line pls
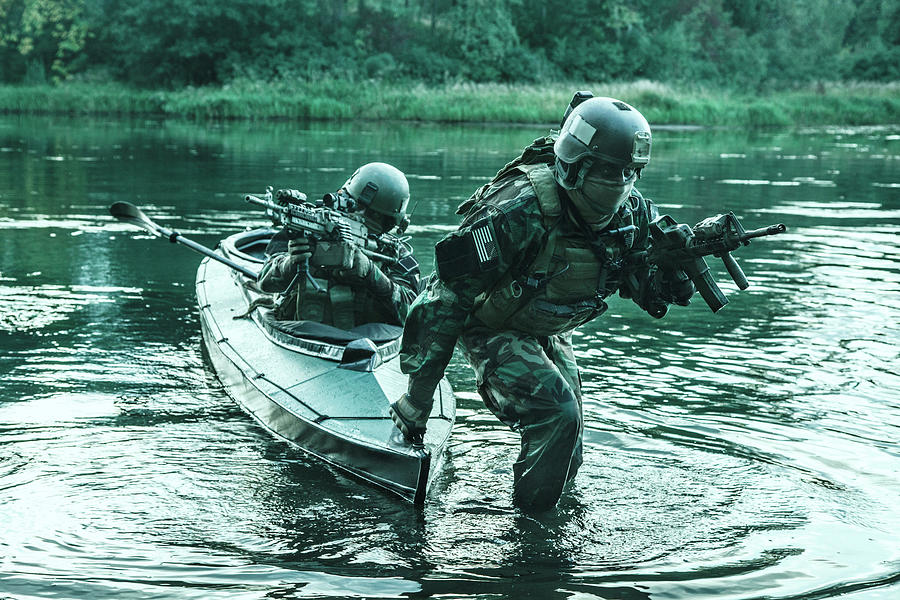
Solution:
(531, 384)
(559, 350)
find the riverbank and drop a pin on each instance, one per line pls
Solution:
(827, 104)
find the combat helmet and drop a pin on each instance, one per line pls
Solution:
(600, 130)
(382, 191)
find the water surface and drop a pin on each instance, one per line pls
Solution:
(748, 454)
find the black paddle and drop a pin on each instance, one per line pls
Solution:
(131, 214)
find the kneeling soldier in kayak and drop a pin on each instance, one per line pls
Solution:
(539, 249)
(369, 291)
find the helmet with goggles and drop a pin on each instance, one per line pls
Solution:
(604, 136)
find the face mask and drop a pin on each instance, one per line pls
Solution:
(376, 223)
(599, 199)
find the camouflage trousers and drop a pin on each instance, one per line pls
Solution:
(532, 385)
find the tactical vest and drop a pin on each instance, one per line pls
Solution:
(564, 285)
(336, 305)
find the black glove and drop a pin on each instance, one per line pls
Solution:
(675, 286)
(299, 252)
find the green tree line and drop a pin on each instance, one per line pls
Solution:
(746, 44)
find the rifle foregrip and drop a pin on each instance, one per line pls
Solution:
(736, 272)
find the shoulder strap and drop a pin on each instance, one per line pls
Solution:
(546, 189)
(549, 202)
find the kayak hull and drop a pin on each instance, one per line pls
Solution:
(328, 398)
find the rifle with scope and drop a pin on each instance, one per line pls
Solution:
(681, 249)
(331, 224)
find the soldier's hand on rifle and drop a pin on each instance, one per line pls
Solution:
(299, 252)
(362, 267)
(675, 286)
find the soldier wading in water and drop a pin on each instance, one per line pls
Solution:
(539, 249)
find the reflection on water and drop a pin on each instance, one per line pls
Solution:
(747, 454)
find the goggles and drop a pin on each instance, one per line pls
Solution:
(607, 171)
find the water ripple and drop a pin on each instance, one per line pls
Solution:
(746, 454)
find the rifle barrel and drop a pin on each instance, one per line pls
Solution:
(258, 201)
(764, 231)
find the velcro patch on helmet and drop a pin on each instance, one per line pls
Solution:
(368, 193)
(581, 130)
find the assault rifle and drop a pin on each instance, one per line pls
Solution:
(678, 247)
(330, 224)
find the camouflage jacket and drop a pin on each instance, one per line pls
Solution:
(510, 206)
(383, 296)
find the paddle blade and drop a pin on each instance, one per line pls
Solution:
(129, 213)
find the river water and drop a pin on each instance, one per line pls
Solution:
(751, 453)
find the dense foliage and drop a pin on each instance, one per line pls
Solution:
(750, 44)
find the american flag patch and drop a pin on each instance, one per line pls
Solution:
(485, 245)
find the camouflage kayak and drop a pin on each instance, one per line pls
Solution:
(324, 389)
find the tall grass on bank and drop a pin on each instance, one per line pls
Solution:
(844, 104)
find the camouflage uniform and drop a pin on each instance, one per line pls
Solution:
(523, 362)
(383, 296)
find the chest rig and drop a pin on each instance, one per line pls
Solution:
(331, 303)
(565, 284)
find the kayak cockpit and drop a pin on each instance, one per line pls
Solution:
(248, 245)
(362, 348)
